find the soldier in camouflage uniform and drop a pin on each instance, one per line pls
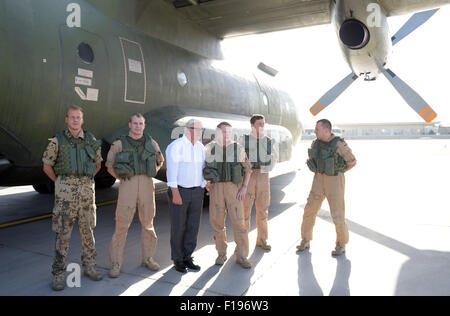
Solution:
(329, 158)
(71, 160)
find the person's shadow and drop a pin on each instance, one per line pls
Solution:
(307, 282)
(233, 280)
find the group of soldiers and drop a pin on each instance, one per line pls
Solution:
(222, 167)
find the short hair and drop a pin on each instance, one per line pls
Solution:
(192, 122)
(74, 108)
(256, 117)
(222, 124)
(138, 115)
(325, 123)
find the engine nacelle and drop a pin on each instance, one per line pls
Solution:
(354, 34)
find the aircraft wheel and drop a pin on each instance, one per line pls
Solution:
(44, 188)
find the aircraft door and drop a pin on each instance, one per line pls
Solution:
(85, 72)
(135, 72)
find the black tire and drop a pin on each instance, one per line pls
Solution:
(45, 188)
(103, 179)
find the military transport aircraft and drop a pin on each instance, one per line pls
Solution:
(163, 58)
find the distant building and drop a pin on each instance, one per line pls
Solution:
(386, 130)
(389, 130)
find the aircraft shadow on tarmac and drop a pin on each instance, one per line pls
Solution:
(425, 273)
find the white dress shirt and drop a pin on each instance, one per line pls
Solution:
(185, 163)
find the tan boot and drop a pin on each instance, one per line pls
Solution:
(151, 264)
(339, 250)
(303, 245)
(244, 263)
(221, 259)
(115, 270)
(263, 244)
(93, 274)
(59, 282)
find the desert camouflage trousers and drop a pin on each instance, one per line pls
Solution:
(74, 199)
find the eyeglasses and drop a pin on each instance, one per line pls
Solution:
(197, 129)
(75, 118)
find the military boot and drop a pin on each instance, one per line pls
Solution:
(59, 282)
(221, 259)
(303, 245)
(244, 262)
(339, 250)
(151, 264)
(263, 244)
(92, 273)
(115, 270)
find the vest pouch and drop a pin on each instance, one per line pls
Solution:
(311, 165)
(90, 152)
(210, 172)
(121, 166)
(236, 173)
(89, 168)
(329, 167)
(150, 161)
(123, 171)
(122, 157)
(148, 146)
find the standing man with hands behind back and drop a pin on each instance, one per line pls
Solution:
(228, 170)
(71, 160)
(329, 158)
(134, 159)
(185, 161)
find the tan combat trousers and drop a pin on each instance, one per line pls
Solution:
(224, 198)
(258, 192)
(332, 188)
(139, 190)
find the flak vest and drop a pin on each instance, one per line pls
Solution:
(323, 158)
(138, 157)
(76, 156)
(224, 168)
(259, 151)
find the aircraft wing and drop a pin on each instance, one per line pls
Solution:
(399, 7)
(227, 18)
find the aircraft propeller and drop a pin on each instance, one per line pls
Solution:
(414, 100)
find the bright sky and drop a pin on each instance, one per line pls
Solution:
(310, 62)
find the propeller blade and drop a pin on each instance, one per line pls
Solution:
(332, 94)
(411, 97)
(412, 24)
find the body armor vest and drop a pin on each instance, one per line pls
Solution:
(323, 158)
(259, 151)
(76, 156)
(226, 166)
(137, 157)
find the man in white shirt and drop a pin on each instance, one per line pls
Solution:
(185, 161)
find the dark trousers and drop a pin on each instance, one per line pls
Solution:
(185, 222)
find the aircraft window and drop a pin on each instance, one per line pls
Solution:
(86, 53)
(265, 99)
(182, 79)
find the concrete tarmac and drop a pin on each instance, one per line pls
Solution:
(397, 210)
